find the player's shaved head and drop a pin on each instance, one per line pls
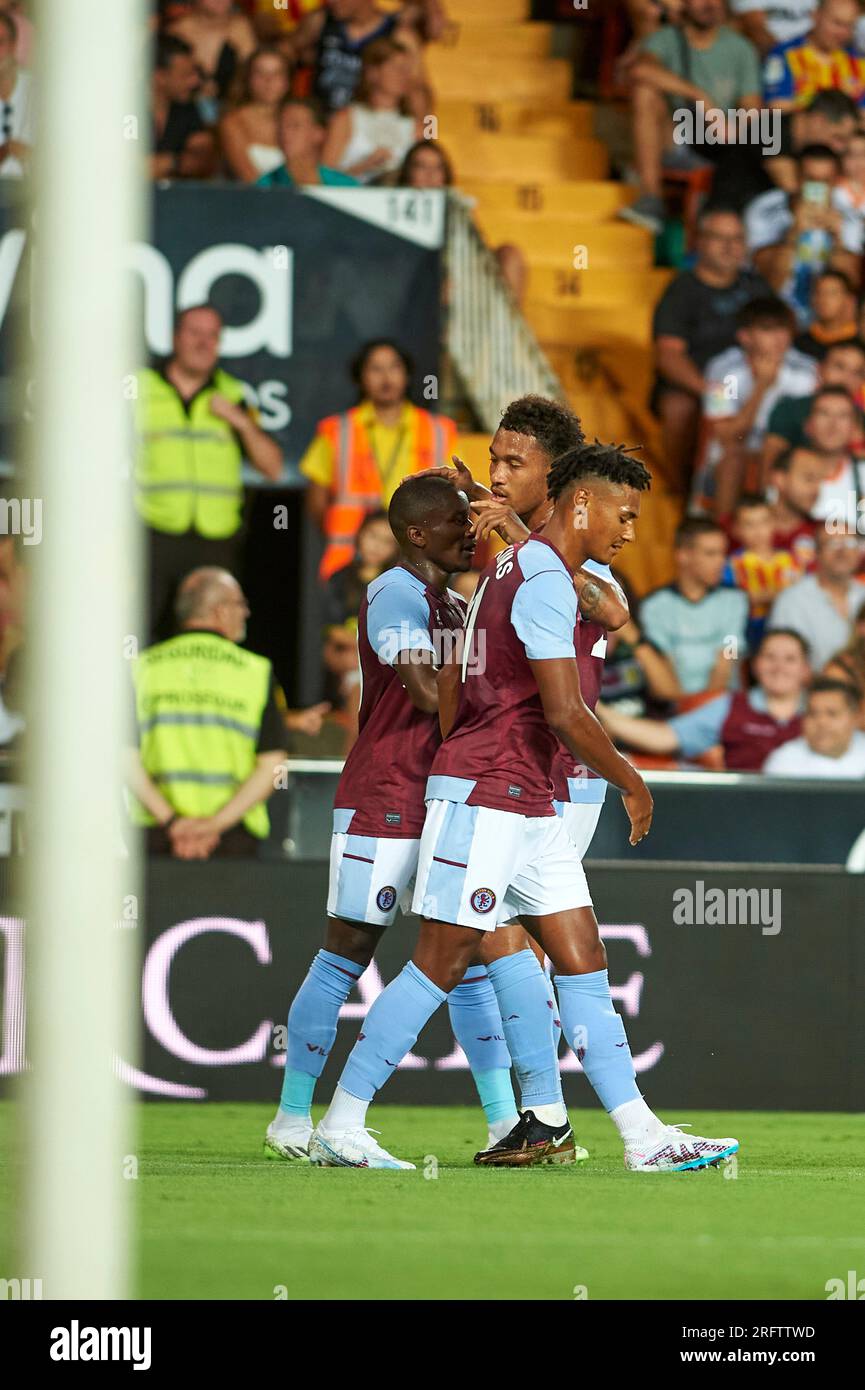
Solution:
(418, 502)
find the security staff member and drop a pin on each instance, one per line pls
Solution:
(358, 459)
(193, 431)
(210, 735)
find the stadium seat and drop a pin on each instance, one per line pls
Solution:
(564, 120)
(536, 79)
(552, 240)
(530, 156)
(580, 201)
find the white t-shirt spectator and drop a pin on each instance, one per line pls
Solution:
(785, 19)
(768, 218)
(808, 610)
(16, 122)
(796, 759)
(839, 497)
(730, 382)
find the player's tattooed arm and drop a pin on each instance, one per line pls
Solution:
(600, 601)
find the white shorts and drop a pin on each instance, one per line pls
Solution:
(369, 877)
(479, 867)
(581, 821)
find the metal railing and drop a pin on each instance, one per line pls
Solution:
(492, 348)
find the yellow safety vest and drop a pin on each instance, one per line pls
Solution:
(188, 465)
(199, 703)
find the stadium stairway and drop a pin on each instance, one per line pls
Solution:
(540, 181)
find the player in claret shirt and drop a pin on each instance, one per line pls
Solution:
(405, 626)
(492, 847)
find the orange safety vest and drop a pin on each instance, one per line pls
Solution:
(357, 485)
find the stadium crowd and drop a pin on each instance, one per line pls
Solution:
(753, 657)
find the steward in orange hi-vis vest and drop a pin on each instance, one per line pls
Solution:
(361, 481)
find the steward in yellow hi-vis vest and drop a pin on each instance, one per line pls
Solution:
(199, 701)
(188, 465)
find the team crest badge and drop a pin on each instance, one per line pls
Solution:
(483, 900)
(386, 899)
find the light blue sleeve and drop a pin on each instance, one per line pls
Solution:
(544, 614)
(397, 620)
(602, 571)
(700, 729)
(655, 620)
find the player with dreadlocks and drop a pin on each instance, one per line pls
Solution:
(492, 847)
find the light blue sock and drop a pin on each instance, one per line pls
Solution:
(312, 1024)
(597, 1034)
(390, 1030)
(477, 1026)
(526, 1009)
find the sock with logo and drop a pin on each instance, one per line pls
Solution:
(390, 1030)
(525, 1006)
(597, 1034)
(477, 1025)
(312, 1024)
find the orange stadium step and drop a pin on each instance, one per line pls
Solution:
(530, 156)
(579, 200)
(491, 11)
(533, 79)
(565, 120)
(552, 240)
(573, 366)
(594, 326)
(502, 40)
(550, 285)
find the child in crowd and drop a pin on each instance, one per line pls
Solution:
(757, 566)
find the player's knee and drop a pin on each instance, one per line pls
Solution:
(352, 940)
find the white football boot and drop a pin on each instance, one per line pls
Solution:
(353, 1148)
(676, 1151)
(288, 1141)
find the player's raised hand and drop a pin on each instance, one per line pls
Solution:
(492, 514)
(639, 806)
(459, 475)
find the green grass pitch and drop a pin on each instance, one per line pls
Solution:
(218, 1221)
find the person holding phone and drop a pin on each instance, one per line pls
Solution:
(794, 237)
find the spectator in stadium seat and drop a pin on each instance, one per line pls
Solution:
(842, 365)
(358, 459)
(831, 746)
(193, 431)
(302, 131)
(793, 237)
(768, 23)
(743, 385)
(376, 551)
(427, 166)
(220, 38)
(16, 105)
(831, 118)
(694, 321)
(824, 605)
(833, 314)
(201, 781)
(831, 428)
(748, 725)
(249, 131)
(182, 147)
(698, 625)
(339, 32)
(795, 478)
(371, 136)
(756, 565)
(849, 664)
(701, 59)
(823, 57)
